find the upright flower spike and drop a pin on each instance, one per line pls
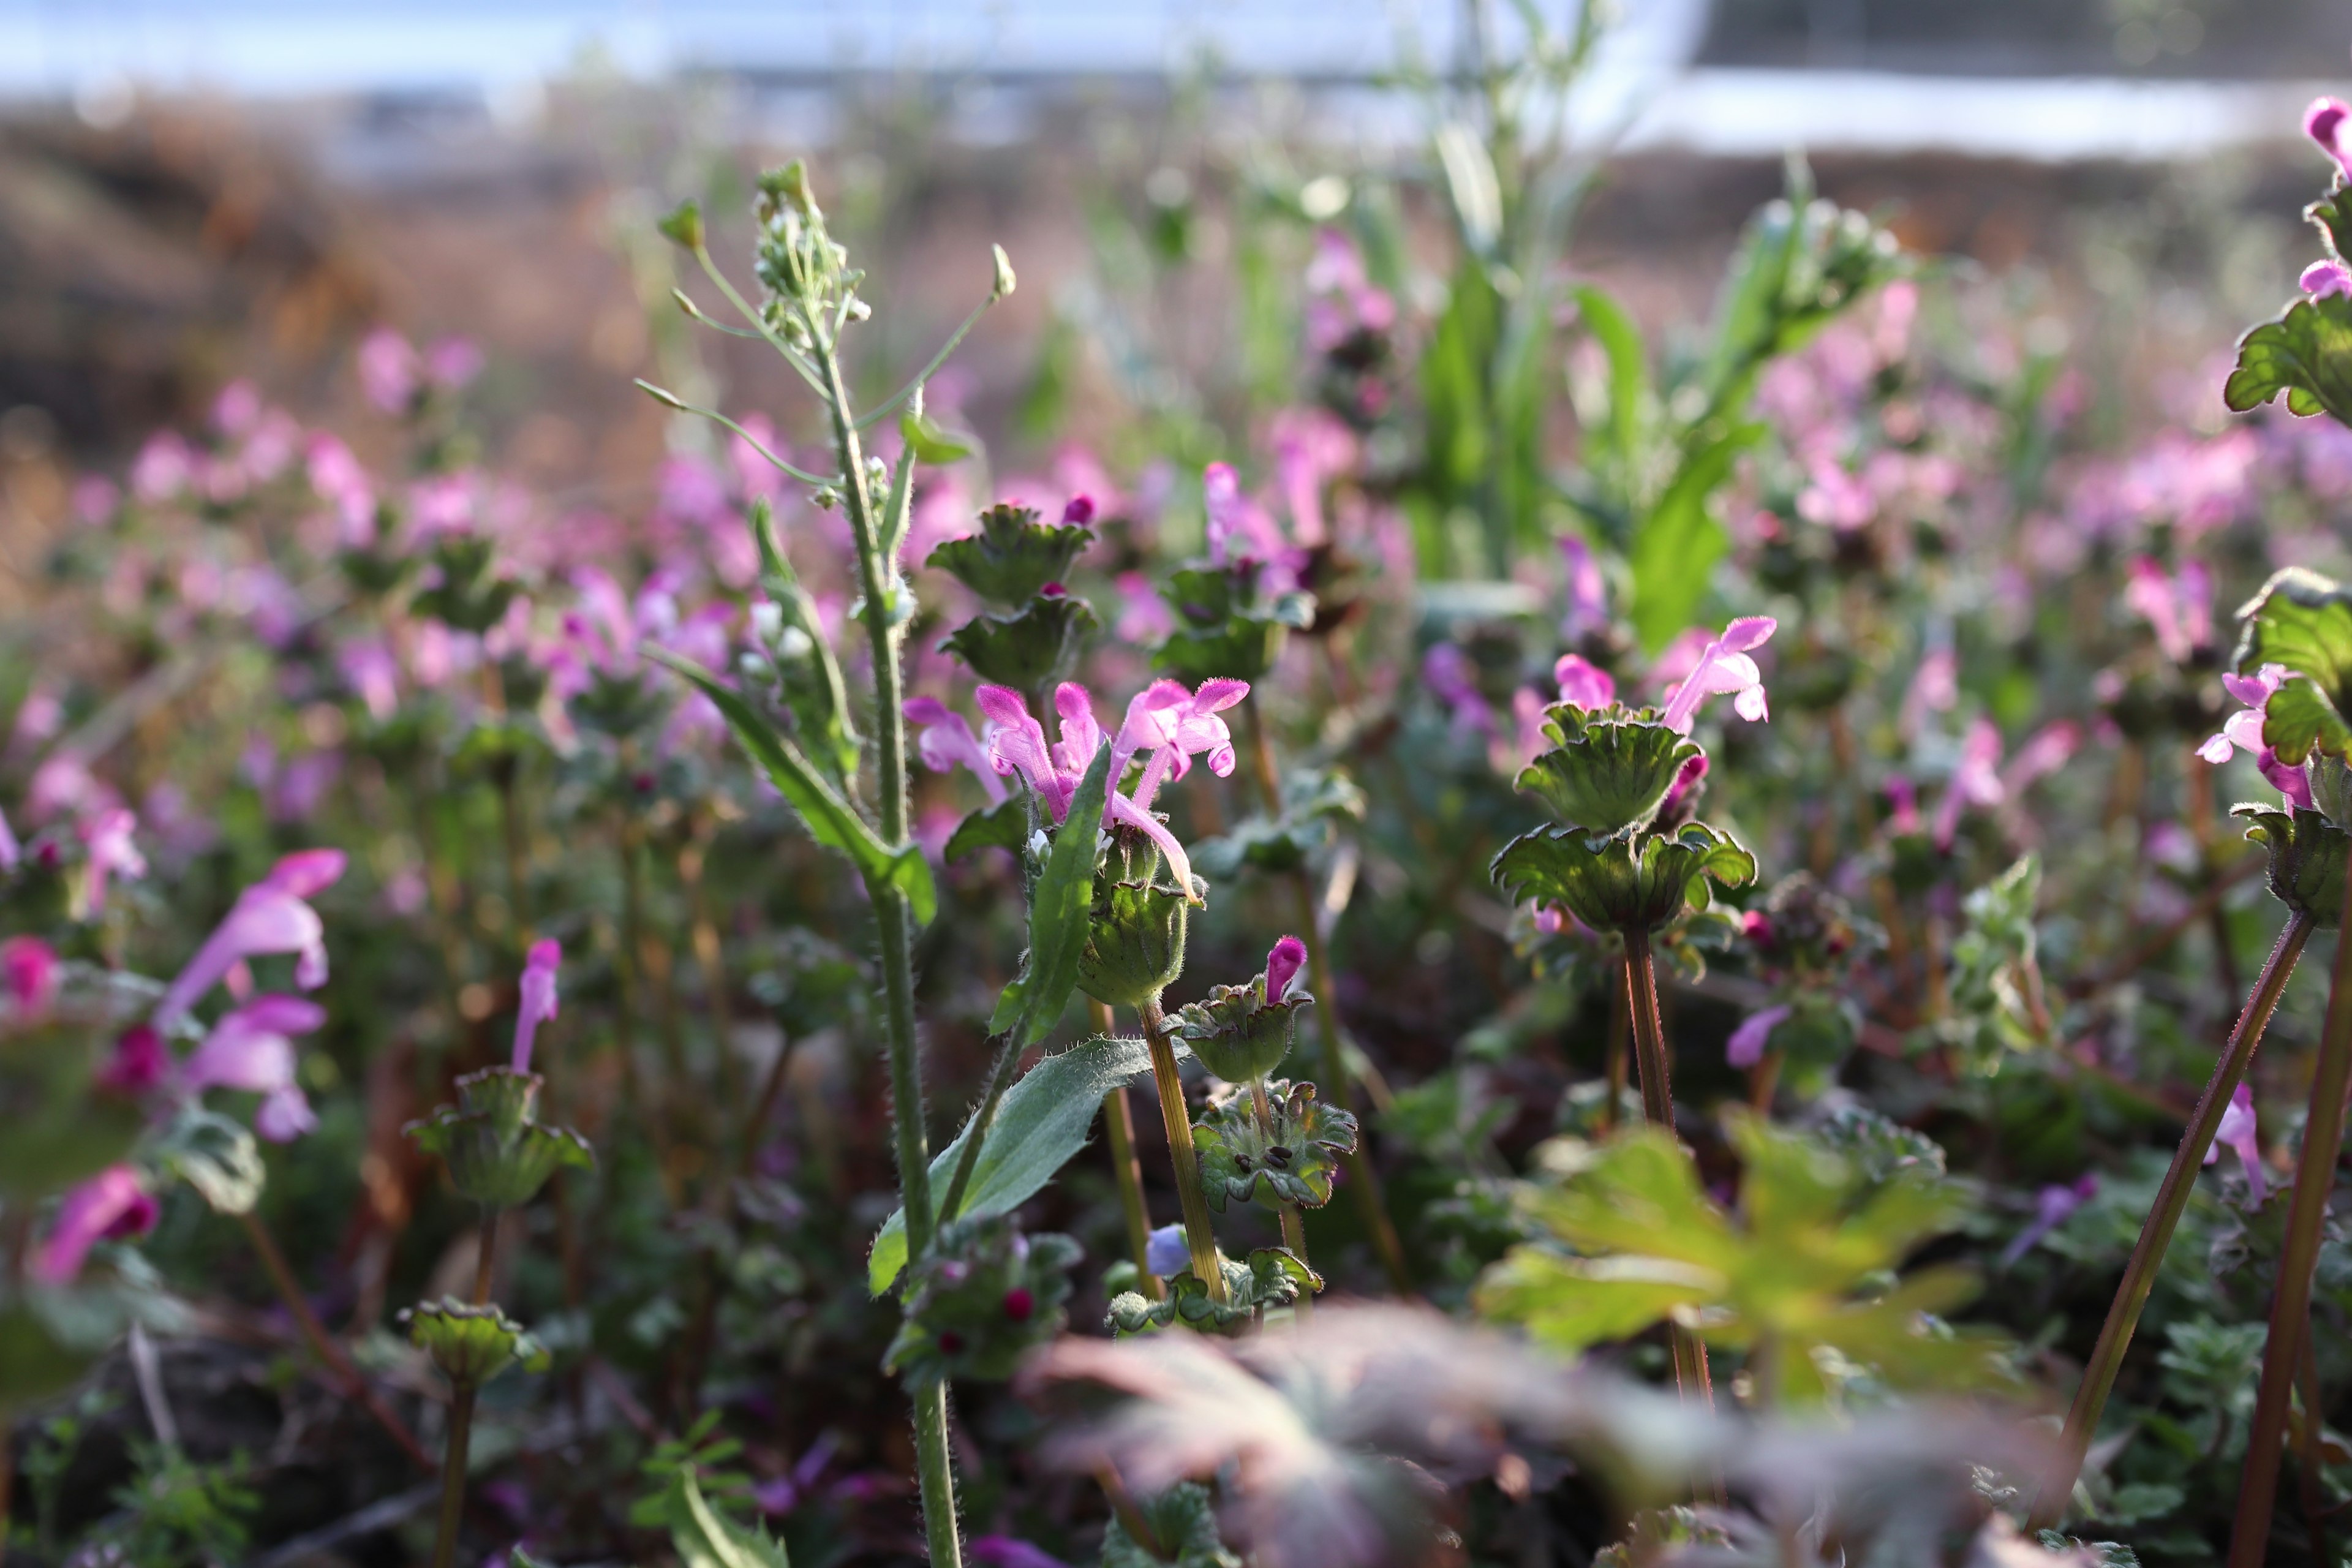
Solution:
(270, 916)
(1724, 667)
(539, 1000)
(110, 1206)
(252, 1048)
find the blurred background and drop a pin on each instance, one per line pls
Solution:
(191, 193)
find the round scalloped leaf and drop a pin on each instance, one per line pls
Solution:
(1611, 884)
(496, 1154)
(1605, 776)
(2305, 353)
(471, 1344)
(1028, 652)
(2303, 621)
(2308, 855)
(1013, 556)
(1296, 1163)
(1237, 1034)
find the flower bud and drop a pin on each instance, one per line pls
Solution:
(497, 1153)
(1241, 1033)
(1134, 933)
(979, 1300)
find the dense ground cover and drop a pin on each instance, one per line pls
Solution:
(1484, 936)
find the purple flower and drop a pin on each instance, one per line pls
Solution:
(1687, 778)
(109, 1205)
(1172, 724)
(1934, 688)
(1144, 617)
(1452, 679)
(2179, 606)
(1746, 1047)
(106, 836)
(1010, 1551)
(1584, 683)
(2243, 733)
(1723, 666)
(1238, 527)
(140, 1062)
(1980, 780)
(252, 1048)
(1282, 966)
(538, 987)
(2322, 278)
(2238, 1130)
(2052, 1208)
(373, 673)
(943, 739)
(2324, 123)
(270, 916)
(1588, 591)
(1167, 1253)
(28, 966)
(11, 852)
(389, 373)
(452, 363)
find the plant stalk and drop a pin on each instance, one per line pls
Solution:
(1364, 1176)
(1119, 1128)
(1294, 1227)
(894, 922)
(1198, 1239)
(323, 1344)
(1691, 1376)
(2155, 1232)
(2315, 1173)
(485, 1258)
(453, 1477)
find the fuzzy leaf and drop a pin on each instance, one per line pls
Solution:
(2306, 859)
(1044, 1120)
(2305, 353)
(1605, 776)
(1013, 556)
(1004, 825)
(705, 1538)
(1610, 885)
(829, 819)
(1059, 905)
(1028, 651)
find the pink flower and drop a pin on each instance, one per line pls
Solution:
(1687, 778)
(2324, 123)
(2242, 731)
(2179, 606)
(1746, 1047)
(2322, 278)
(373, 673)
(11, 852)
(538, 1001)
(452, 363)
(110, 1206)
(106, 837)
(252, 1048)
(1584, 683)
(1980, 780)
(28, 967)
(138, 1063)
(1529, 711)
(1934, 688)
(943, 739)
(270, 916)
(1452, 679)
(389, 373)
(1903, 804)
(1144, 619)
(1239, 529)
(2052, 1208)
(1723, 666)
(1282, 967)
(2237, 1132)
(1165, 719)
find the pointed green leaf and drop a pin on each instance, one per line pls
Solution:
(829, 819)
(705, 1538)
(1676, 547)
(930, 442)
(1058, 909)
(2303, 621)
(1629, 373)
(1043, 1121)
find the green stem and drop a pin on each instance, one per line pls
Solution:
(486, 1257)
(1364, 1176)
(1198, 1239)
(1690, 1374)
(2155, 1233)
(1294, 1228)
(893, 923)
(453, 1477)
(1118, 1130)
(2315, 1173)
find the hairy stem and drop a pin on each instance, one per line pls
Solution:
(2155, 1232)
(2315, 1173)
(1199, 1239)
(1364, 1176)
(323, 1344)
(893, 923)
(453, 1477)
(1690, 1374)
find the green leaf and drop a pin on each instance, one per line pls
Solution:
(2303, 621)
(2331, 214)
(1044, 1120)
(2306, 353)
(829, 819)
(1004, 825)
(1629, 375)
(1013, 556)
(1184, 1523)
(1058, 908)
(705, 1538)
(1679, 541)
(217, 1157)
(1611, 885)
(1605, 776)
(2306, 859)
(1295, 1161)
(929, 442)
(1028, 651)
(1574, 1303)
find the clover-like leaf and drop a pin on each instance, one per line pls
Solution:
(2305, 353)
(1293, 1161)
(2306, 859)
(1028, 651)
(1618, 884)
(1605, 775)
(1013, 556)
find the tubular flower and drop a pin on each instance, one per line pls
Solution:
(2179, 606)
(252, 1048)
(943, 739)
(106, 834)
(1746, 1047)
(1172, 724)
(2325, 122)
(2243, 733)
(1723, 667)
(2238, 1130)
(109, 1205)
(1980, 780)
(1282, 967)
(28, 966)
(10, 851)
(538, 1001)
(2322, 278)
(1583, 682)
(270, 916)
(2052, 1208)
